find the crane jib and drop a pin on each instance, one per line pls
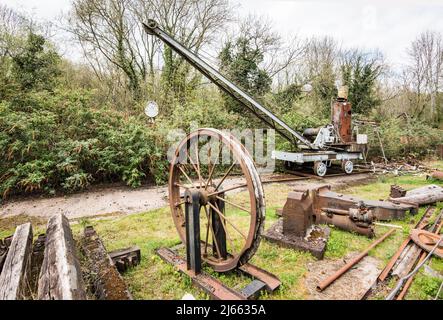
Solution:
(227, 86)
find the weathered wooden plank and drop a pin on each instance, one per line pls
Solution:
(4, 247)
(423, 195)
(60, 275)
(107, 281)
(14, 279)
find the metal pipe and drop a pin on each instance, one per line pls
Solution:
(325, 283)
(387, 225)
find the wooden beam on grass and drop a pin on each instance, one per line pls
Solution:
(107, 282)
(60, 275)
(14, 278)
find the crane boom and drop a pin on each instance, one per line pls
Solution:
(151, 27)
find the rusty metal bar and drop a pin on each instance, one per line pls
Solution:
(409, 281)
(393, 260)
(271, 281)
(325, 283)
(203, 281)
(413, 272)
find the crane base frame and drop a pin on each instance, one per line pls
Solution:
(305, 157)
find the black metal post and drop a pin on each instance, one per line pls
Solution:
(219, 231)
(192, 213)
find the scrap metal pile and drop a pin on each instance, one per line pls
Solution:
(321, 206)
(416, 249)
(407, 165)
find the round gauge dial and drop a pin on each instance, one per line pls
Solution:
(151, 109)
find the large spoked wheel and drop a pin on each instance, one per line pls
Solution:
(221, 169)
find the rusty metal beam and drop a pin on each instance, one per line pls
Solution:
(436, 230)
(271, 281)
(203, 281)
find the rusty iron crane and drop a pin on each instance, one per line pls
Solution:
(227, 241)
(321, 146)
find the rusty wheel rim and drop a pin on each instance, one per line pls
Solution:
(243, 223)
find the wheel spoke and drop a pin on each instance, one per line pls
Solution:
(228, 189)
(197, 170)
(224, 217)
(187, 177)
(234, 204)
(180, 203)
(225, 175)
(180, 185)
(213, 235)
(224, 226)
(198, 164)
(213, 167)
(207, 230)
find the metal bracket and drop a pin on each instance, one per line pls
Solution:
(192, 213)
(219, 230)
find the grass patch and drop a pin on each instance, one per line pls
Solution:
(8, 225)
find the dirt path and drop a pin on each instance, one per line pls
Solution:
(122, 200)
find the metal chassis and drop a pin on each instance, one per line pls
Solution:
(306, 157)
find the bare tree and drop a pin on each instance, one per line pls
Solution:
(320, 66)
(104, 29)
(13, 26)
(110, 31)
(424, 74)
(280, 56)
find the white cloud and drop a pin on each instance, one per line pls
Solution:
(387, 25)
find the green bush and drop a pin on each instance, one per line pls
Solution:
(59, 140)
(401, 138)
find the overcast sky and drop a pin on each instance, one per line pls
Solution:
(389, 25)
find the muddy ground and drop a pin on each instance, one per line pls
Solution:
(124, 200)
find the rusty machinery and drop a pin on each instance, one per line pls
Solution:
(320, 206)
(335, 141)
(318, 146)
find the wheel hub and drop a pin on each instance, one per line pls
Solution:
(207, 195)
